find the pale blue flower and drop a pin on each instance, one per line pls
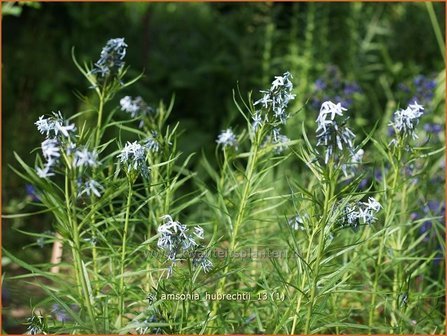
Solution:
(278, 97)
(227, 138)
(405, 121)
(54, 125)
(257, 121)
(45, 171)
(112, 56)
(175, 238)
(91, 187)
(136, 107)
(50, 149)
(84, 157)
(44, 125)
(133, 155)
(373, 204)
(151, 143)
(333, 134)
(358, 213)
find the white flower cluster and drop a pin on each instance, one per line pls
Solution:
(405, 121)
(275, 101)
(151, 143)
(361, 213)
(90, 187)
(277, 98)
(273, 112)
(136, 107)
(331, 133)
(227, 138)
(61, 138)
(176, 239)
(84, 157)
(54, 126)
(57, 132)
(133, 155)
(111, 60)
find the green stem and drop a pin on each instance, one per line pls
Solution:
(93, 242)
(99, 121)
(398, 271)
(96, 144)
(436, 28)
(381, 246)
(303, 281)
(81, 275)
(154, 208)
(123, 257)
(240, 215)
(315, 272)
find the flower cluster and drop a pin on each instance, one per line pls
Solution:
(136, 107)
(57, 131)
(133, 155)
(175, 239)
(278, 97)
(355, 214)
(61, 139)
(54, 126)
(227, 138)
(151, 143)
(332, 86)
(84, 157)
(89, 187)
(111, 60)
(273, 110)
(405, 121)
(37, 325)
(332, 133)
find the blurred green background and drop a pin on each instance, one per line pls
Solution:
(200, 52)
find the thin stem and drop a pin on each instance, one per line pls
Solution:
(250, 169)
(81, 276)
(97, 140)
(381, 248)
(100, 112)
(123, 256)
(328, 196)
(154, 208)
(303, 281)
(436, 28)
